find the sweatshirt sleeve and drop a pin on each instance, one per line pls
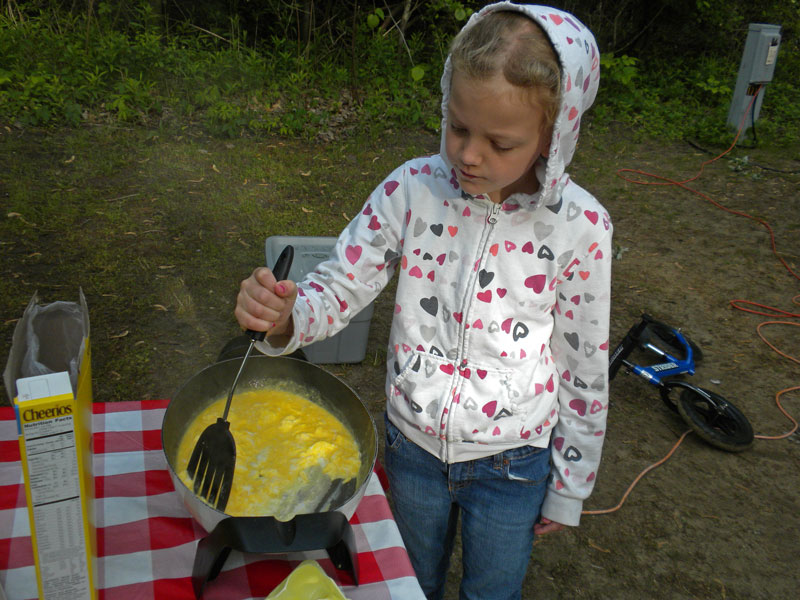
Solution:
(359, 267)
(579, 345)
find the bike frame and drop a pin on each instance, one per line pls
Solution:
(712, 417)
(655, 374)
(658, 374)
(672, 366)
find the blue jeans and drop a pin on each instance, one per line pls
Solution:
(498, 498)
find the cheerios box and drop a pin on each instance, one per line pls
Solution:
(48, 375)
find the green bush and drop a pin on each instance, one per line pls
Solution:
(125, 64)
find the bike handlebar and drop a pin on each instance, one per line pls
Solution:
(627, 345)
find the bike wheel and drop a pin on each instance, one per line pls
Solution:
(666, 335)
(717, 422)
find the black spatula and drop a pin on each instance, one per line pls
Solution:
(214, 457)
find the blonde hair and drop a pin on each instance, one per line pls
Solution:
(510, 43)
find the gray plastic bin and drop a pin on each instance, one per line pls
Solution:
(350, 344)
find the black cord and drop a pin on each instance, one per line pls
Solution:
(755, 141)
(753, 118)
(755, 164)
(774, 170)
(752, 122)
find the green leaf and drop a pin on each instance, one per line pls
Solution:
(373, 21)
(417, 73)
(460, 14)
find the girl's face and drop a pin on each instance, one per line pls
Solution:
(494, 135)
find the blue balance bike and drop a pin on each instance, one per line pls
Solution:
(711, 417)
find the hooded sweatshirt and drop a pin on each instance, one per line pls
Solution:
(499, 337)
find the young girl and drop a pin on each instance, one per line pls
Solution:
(498, 352)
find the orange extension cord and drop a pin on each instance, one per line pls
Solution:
(744, 305)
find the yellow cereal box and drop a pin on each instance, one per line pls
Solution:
(54, 416)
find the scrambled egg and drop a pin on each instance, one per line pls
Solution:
(288, 451)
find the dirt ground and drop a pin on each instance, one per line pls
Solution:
(707, 523)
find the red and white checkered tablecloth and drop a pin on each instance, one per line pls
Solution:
(147, 539)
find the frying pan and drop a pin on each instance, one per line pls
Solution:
(262, 372)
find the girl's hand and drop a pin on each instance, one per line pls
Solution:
(264, 304)
(546, 526)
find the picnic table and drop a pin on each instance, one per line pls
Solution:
(147, 540)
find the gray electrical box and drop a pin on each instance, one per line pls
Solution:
(755, 71)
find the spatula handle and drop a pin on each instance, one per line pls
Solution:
(281, 272)
(283, 264)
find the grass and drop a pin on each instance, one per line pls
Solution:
(159, 225)
(158, 228)
(157, 220)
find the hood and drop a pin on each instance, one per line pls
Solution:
(580, 76)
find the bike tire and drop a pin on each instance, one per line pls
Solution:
(666, 335)
(728, 430)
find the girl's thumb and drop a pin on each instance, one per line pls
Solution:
(285, 288)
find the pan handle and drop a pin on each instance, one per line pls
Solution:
(281, 272)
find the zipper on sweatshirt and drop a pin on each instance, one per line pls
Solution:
(463, 363)
(493, 212)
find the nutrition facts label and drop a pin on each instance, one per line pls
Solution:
(53, 475)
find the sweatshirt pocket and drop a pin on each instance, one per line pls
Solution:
(490, 406)
(420, 389)
(462, 403)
